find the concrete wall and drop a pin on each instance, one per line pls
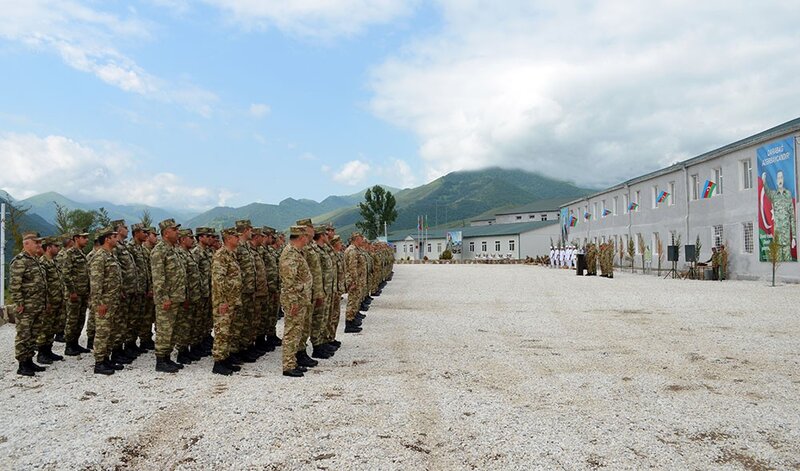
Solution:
(537, 243)
(406, 249)
(491, 246)
(526, 217)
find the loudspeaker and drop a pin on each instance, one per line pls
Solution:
(673, 253)
(689, 253)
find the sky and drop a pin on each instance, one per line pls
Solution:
(195, 104)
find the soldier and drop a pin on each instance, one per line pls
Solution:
(226, 300)
(354, 267)
(48, 322)
(257, 330)
(296, 295)
(591, 259)
(187, 318)
(243, 350)
(76, 278)
(28, 287)
(60, 260)
(317, 292)
(321, 318)
(341, 288)
(270, 256)
(169, 293)
(146, 334)
(107, 296)
(126, 322)
(143, 326)
(203, 254)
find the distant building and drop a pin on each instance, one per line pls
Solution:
(544, 210)
(730, 216)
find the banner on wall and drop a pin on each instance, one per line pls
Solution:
(454, 242)
(565, 224)
(777, 196)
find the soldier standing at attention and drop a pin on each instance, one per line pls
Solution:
(187, 319)
(106, 288)
(203, 253)
(48, 323)
(317, 293)
(270, 255)
(242, 324)
(76, 278)
(143, 327)
(295, 298)
(341, 288)
(169, 293)
(28, 287)
(60, 260)
(321, 317)
(226, 300)
(125, 328)
(256, 335)
(354, 265)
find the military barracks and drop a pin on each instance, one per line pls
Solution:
(198, 293)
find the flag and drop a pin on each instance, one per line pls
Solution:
(765, 221)
(708, 189)
(633, 206)
(426, 222)
(572, 221)
(587, 216)
(606, 212)
(419, 223)
(662, 196)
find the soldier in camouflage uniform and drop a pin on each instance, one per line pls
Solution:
(317, 291)
(270, 256)
(203, 253)
(28, 287)
(48, 323)
(354, 270)
(591, 259)
(321, 319)
(187, 318)
(75, 273)
(242, 324)
(134, 289)
(60, 260)
(341, 288)
(143, 328)
(256, 334)
(107, 296)
(169, 293)
(226, 300)
(296, 288)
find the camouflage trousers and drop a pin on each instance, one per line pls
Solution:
(184, 320)
(76, 317)
(319, 322)
(165, 328)
(145, 329)
(333, 317)
(305, 333)
(260, 322)
(242, 323)
(26, 324)
(48, 325)
(271, 315)
(135, 314)
(104, 335)
(293, 326)
(202, 326)
(120, 322)
(353, 303)
(61, 318)
(223, 324)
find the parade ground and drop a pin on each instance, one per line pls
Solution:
(458, 367)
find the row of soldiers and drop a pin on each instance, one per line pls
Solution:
(183, 285)
(602, 255)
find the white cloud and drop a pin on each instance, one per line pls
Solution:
(259, 110)
(307, 157)
(101, 171)
(594, 92)
(320, 19)
(400, 173)
(86, 39)
(352, 173)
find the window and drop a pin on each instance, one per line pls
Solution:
(718, 180)
(626, 204)
(472, 246)
(718, 238)
(747, 237)
(655, 197)
(671, 196)
(544, 217)
(747, 176)
(429, 248)
(519, 218)
(695, 186)
(616, 202)
(497, 246)
(439, 247)
(405, 248)
(512, 245)
(483, 246)
(531, 216)
(638, 200)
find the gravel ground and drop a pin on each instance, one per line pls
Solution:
(458, 367)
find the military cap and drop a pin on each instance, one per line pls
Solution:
(297, 230)
(107, 231)
(336, 239)
(51, 241)
(231, 231)
(305, 222)
(167, 223)
(65, 237)
(355, 234)
(185, 233)
(80, 233)
(243, 224)
(329, 226)
(203, 231)
(151, 229)
(138, 227)
(268, 230)
(31, 235)
(320, 229)
(117, 223)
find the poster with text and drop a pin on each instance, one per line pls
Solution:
(777, 195)
(454, 242)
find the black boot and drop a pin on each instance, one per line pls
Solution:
(361, 316)
(100, 368)
(275, 340)
(248, 356)
(351, 328)
(195, 352)
(118, 356)
(183, 357)
(149, 344)
(25, 370)
(59, 337)
(235, 359)
(42, 356)
(172, 363)
(221, 368)
(320, 352)
(263, 345)
(72, 349)
(52, 355)
(113, 365)
(163, 367)
(304, 360)
(29, 362)
(131, 351)
(356, 322)
(231, 366)
(89, 345)
(363, 307)
(295, 373)
(336, 343)
(333, 346)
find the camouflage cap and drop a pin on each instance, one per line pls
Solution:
(231, 231)
(257, 231)
(336, 239)
(51, 241)
(243, 224)
(355, 235)
(31, 236)
(118, 222)
(305, 222)
(329, 226)
(65, 238)
(106, 231)
(297, 230)
(151, 229)
(80, 233)
(185, 233)
(203, 231)
(321, 229)
(167, 223)
(138, 227)
(268, 230)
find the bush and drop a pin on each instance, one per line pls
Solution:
(446, 255)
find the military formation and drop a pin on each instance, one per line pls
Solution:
(193, 293)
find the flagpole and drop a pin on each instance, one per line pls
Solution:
(2, 255)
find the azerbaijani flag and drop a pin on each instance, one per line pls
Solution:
(633, 206)
(662, 196)
(572, 221)
(708, 189)
(606, 212)
(419, 223)
(587, 216)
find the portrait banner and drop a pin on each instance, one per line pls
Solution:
(777, 196)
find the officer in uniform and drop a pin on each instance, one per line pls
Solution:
(60, 260)
(169, 293)
(321, 318)
(126, 324)
(257, 331)
(203, 254)
(76, 278)
(48, 323)
(28, 287)
(105, 275)
(187, 319)
(143, 324)
(317, 292)
(296, 281)
(354, 267)
(242, 324)
(226, 300)
(341, 288)
(270, 256)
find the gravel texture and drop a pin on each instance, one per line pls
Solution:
(458, 367)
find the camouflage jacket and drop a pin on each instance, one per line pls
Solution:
(203, 258)
(354, 265)
(55, 284)
(142, 258)
(340, 276)
(271, 265)
(27, 282)
(315, 265)
(328, 273)
(296, 278)
(261, 272)
(130, 273)
(247, 264)
(106, 280)
(192, 274)
(226, 279)
(76, 272)
(334, 268)
(169, 274)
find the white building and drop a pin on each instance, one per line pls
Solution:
(729, 216)
(544, 210)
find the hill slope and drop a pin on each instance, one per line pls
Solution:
(28, 222)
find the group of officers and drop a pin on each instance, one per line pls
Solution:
(202, 292)
(602, 255)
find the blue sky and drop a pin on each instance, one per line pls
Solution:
(195, 104)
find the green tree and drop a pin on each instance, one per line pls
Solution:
(101, 217)
(146, 218)
(62, 218)
(631, 253)
(14, 218)
(82, 220)
(774, 254)
(378, 208)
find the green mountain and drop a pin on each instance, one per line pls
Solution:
(28, 222)
(44, 206)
